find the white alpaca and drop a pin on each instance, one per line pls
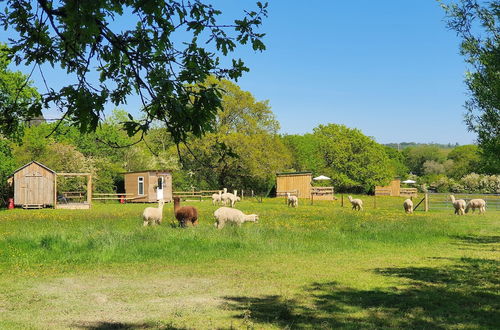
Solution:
(408, 206)
(231, 199)
(217, 198)
(357, 204)
(458, 204)
(224, 215)
(292, 200)
(476, 204)
(153, 215)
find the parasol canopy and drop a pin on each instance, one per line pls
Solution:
(409, 181)
(321, 177)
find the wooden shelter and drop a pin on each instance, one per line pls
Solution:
(394, 189)
(299, 182)
(34, 186)
(148, 186)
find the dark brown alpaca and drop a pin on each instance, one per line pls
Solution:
(185, 214)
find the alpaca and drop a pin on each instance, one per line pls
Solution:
(476, 204)
(292, 201)
(229, 198)
(185, 214)
(217, 198)
(408, 206)
(224, 215)
(153, 215)
(458, 204)
(357, 204)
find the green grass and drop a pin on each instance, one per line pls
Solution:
(314, 266)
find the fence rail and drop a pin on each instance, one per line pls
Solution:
(441, 201)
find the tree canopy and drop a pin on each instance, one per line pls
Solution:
(478, 25)
(351, 159)
(18, 99)
(160, 50)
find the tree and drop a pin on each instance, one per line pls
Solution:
(478, 25)
(161, 51)
(466, 159)
(244, 151)
(305, 152)
(7, 167)
(415, 157)
(351, 159)
(19, 101)
(397, 161)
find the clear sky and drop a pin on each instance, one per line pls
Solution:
(390, 68)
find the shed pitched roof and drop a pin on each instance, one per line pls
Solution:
(33, 161)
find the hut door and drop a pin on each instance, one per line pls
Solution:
(159, 189)
(35, 184)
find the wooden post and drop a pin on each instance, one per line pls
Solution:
(89, 190)
(242, 194)
(342, 200)
(55, 190)
(252, 193)
(426, 202)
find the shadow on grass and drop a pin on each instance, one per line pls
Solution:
(464, 294)
(472, 239)
(123, 326)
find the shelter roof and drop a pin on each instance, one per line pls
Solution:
(33, 161)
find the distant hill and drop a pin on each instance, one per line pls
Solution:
(403, 145)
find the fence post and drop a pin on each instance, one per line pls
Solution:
(242, 194)
(252, 193)
(426, 202)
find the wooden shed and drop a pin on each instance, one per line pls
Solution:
(148, 186)
(34, 186)
(393, 189)
(296, 181)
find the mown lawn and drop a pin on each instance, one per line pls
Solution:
(319, 266)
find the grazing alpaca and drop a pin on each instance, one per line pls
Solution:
(476, 204)
(153, 215)
(185, 214)
(458, 204)
(292, 201)
(225, 214)
(217, 198)
(408, 206)
(357, 204)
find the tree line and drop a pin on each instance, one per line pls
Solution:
(244, 151)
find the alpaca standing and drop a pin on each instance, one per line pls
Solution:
(474, 204)
(217, 198)
(292, 201)
(357, 204)
(408, 206)
(458, 204)
(185, 214)
(224, 215)
(153, 215)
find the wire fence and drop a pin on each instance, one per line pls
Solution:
(442, 201)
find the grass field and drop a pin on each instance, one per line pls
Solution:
(319, 266)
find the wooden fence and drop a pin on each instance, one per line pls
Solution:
(441, 201)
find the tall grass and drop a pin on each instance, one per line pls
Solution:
(113, 234)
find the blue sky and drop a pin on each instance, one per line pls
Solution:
(390, 68)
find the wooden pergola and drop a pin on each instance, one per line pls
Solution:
(74, 206)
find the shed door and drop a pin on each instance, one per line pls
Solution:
(37, 189)
(159, 188)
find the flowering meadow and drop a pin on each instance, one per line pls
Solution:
(318, 265)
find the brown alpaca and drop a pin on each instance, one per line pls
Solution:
(185, 214)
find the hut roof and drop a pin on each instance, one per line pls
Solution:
(164, 170)
(293, 173)
(33, 161)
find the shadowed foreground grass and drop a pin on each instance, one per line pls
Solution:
(315, 266)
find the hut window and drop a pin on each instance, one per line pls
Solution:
(160, 182)
(140, 185)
